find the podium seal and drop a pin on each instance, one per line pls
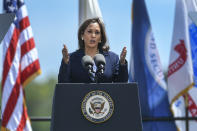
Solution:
(97, 106)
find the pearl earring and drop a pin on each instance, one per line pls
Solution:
(82, 38)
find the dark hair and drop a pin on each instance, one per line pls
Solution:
(102, 46)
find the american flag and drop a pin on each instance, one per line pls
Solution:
(20, 66)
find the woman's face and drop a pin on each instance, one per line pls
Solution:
(92, 35)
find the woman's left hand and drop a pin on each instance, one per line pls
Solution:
(123, 55)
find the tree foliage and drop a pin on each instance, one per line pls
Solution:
(39, 97)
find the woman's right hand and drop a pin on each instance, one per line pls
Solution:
(65, 54)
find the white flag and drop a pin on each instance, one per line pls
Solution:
(88, 9)
(180, 70)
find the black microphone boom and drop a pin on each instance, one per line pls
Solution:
(88, 63)
(99, 60)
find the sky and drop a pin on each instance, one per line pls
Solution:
(55, 22)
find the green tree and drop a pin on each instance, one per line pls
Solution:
(39, 97)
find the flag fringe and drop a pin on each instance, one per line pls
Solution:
(31, 78)
(177, 96)
(4, 129)
(182, 93)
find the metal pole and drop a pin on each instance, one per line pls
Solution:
(186, 112)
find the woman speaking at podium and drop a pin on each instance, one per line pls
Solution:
(92, 41)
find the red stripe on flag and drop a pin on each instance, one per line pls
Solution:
(24, 23)
(10, 111)
(23, 119)
(10, 55)
(27, 46)
(11, 104)
(30, 70)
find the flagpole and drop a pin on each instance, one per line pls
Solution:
(186, 112)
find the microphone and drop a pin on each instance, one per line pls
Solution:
(88, 63)
(99, 60)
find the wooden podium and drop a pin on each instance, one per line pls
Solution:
(68, 115)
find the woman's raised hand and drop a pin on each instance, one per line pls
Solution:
(123, 55)
(65, 54)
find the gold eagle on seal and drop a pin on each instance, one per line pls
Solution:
(97, 107)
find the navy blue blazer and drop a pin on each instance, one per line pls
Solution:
(74, 72)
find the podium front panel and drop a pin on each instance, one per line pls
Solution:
(67, 114)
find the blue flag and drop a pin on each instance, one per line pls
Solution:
(147, 72)
(193, 42)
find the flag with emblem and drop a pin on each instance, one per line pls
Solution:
(180, 70)
(192, 24)
(20, 66)
(147, 71)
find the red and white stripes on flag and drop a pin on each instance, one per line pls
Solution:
(20, 65)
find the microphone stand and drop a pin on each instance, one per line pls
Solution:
(99, 74)
(94, 78)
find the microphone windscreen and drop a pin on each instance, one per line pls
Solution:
(99, 59)
(87, 60)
